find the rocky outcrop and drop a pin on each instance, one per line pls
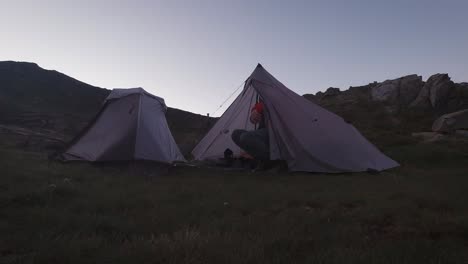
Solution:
(439, 95)
(435, 92)
(440, 87)
(442, 95)
(361, 90)
(386, 92)
(410, 87)
(332, 91)
(405, 103)
(311, 97)
(399, 92)
(457, 98)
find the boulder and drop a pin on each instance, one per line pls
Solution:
(399, 92)
(386, 91)
(332, 92)
(440, 87)
(435, 93)
(410, 86)
(450, 122)
(365, 89)
(429, 137)
(422, 101)
(457, 98)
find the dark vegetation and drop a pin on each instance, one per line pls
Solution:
(141, 213)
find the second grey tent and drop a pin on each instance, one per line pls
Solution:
(302, 133)
(131, 125)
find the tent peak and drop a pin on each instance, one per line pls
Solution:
(117, 93)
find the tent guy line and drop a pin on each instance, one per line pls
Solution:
(222, 104)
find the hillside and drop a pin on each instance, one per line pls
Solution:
(30, 88)
(45, 105)
(388, 112)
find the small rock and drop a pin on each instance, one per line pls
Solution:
(449, 123)
(429, 137)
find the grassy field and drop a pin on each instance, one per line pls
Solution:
(142, 213)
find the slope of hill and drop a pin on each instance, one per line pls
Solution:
(388, 112)
(46, 104)
(30, 88)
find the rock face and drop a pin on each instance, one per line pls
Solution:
(442, 95)
(410, 87)
(439, 86)
(332, 91)
(457, 98)
(361, 90)
(399, 92)
(435, 92)
(439, 94)
(407, 103)
(386, 91)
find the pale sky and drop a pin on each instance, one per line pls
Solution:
(196, 53)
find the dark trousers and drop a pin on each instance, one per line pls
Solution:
(254, 142)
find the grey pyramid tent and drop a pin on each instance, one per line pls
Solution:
(451, 122)
(131, 125)
(302, 133)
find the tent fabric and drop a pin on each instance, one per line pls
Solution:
(302, 133)
(451, 122)
(130, 126)
(218, 139)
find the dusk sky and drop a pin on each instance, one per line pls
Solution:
(196, 53)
